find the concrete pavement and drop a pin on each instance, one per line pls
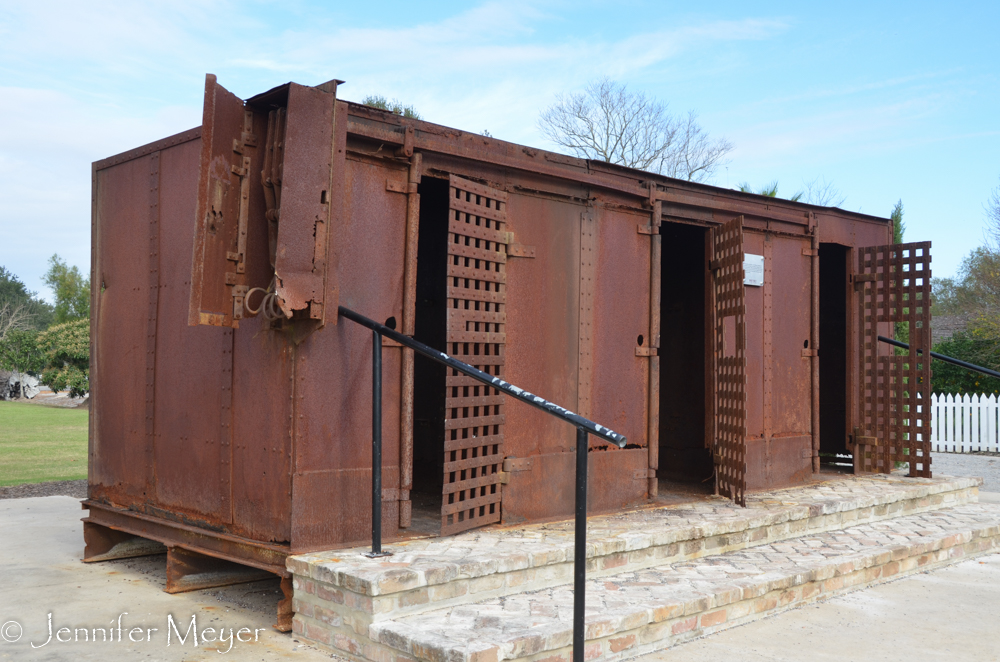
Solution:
(41, 574)
(946, 615)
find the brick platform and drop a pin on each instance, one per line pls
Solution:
(503, 592)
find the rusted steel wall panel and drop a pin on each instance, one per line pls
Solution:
(778, 371)
(779, 461)
(194, 365)
(619, 394)
(753, 243)
(542, 322)
(620, 379)
(791, 272)
(333, 371)
(542, 352)
(120, 453)
(262, 391)
(546, 490)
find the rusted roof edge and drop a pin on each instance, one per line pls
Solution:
(138, 152)
(373, 123)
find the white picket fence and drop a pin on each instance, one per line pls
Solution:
(965, 423)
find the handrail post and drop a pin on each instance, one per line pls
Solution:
(377, 447)
(580, 549)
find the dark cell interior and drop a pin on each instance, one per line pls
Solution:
(832, 350)
(683, 455)
(430, 329)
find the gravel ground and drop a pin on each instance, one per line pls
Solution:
(969, 464)
(70, 488)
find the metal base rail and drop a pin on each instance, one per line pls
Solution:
(583, 426)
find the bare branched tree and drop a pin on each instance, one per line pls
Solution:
(14, 316)
(993, 220)
(823, 193)
(607, 122)
(696, 156)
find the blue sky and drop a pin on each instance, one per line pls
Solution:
(885, 101)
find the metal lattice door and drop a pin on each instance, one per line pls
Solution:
(893, 284)
(473, 446)
(729, 359)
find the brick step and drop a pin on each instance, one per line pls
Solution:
(637, 612)
(431, 573)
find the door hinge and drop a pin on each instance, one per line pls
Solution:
(647, 229)
(857, 279)
(517, 464)
(397, 186)
(646, 351)
(806, 353)
(239, 295)
(520, 250)
(858, 438)
(515, 249)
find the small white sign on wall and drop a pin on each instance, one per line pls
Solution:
(753, 270)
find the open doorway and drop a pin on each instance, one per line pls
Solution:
(430, 328)
(685, 463)
(833, 296)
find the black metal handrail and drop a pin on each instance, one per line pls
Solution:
(583, 428)
(947, 359)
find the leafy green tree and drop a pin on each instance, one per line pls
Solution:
(16, 301)
(19, 352)
(965, 345)
(769, 190)
(898, 229)
(976, 290)
(394, 106)
(66, 351)
(898, 226)
(71, 290)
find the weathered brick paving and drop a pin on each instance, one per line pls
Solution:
(502, 560)
(637, 612)
(370, 609)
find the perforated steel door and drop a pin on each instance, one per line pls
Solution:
(893, 284)
(473, 446)
(729, 359)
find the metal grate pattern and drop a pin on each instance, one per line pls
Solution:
(730, 360)
(474, 413)
(894, 285)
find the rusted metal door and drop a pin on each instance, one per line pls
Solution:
(893, 284)
(218, 273)
(729, 359)
(473, 446)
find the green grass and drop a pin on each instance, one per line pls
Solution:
(39, 444)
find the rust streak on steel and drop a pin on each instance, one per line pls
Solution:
(653, 434)
(814, 341)
(409, 327)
